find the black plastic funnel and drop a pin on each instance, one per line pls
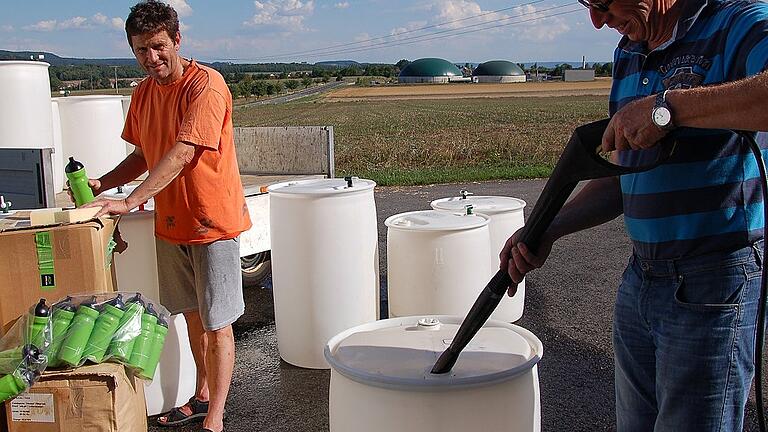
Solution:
(580, 160)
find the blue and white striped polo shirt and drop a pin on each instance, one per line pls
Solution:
(707, 197)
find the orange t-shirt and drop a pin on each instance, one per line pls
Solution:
(205, 202)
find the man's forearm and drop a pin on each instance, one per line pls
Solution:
(128, 170)
(169, 167)
(735, 105)
(598, 202)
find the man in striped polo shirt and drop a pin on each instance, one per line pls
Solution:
(684, 320)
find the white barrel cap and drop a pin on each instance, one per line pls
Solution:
(482, 204)
(431, 220)
(332, 186)
(400, 353)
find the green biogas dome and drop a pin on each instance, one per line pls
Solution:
(428, 70)
(498, 71)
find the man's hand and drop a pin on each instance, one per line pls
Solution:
(632, 128)
(108, 206)
(95, 185)
(518, 260)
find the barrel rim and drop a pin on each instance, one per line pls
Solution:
(415, 384)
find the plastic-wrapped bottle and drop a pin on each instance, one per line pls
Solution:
(71, 351)
(161, 330)
(130, 327)
(104, 328)
(78, 182)
(28, 356)
(38, 322)
(13, 384)
(63, 312)
(143, 345)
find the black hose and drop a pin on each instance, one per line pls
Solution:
(760, 319)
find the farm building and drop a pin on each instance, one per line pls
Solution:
(498, 71)
(429, 70)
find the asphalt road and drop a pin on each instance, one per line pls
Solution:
(568, 305)
(296, 95)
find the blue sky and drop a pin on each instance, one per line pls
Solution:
(317, 30)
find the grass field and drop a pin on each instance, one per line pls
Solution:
(420, 141)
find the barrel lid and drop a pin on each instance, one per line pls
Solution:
(401, 352)
(481, 204)
(23, 62)
(331, 186)
(431, 220)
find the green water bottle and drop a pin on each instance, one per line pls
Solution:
(63, 312)
(37, 327)
(122, 343)
(78, 182)
(161, 330)
(104, 328)
(27, 356)
(13, 384)
(143, 345)
(71, 351)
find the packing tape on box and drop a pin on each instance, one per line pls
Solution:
(45, 260)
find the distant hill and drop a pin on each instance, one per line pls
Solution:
(55, 60)
(338, 63)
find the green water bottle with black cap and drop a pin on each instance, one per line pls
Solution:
(161, 330)
(78, 182)
(143, 345)
(130, 326)
(28, 356)
(104, 328)
(63, 312)
(71, 351)
(37, 325)
(13, 384)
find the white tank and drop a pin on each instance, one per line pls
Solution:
(59, 178)
(325, 264)
(126, 100)
(506, 217)
(437, 262)
(90, 130)
(381, 379)
(136, 270)
(25, 105)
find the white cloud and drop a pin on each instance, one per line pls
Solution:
(287, 15)
(6, 28)
(183, 27)
(541, 30)
(183, 9)
(98, 20)
(341, 5)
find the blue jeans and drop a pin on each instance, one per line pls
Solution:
(684, 340)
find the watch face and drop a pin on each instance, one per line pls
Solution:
(661, 116)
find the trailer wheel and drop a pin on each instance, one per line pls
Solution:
(255, 268)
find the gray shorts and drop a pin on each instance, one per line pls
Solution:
(203, 277)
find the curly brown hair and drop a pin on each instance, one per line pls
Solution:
(151, 16)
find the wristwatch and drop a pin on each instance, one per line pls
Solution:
(661, 115)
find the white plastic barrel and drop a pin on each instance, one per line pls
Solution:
(25, 105)
(381, 378)
(90, 130)
(325, 266)
(437, 262)
(126, 100)
(136, 270)
(506, 217)
(59, 178)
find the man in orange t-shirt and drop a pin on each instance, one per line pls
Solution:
(180, 121)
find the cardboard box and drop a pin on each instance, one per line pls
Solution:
(51, 262)
(98, 398)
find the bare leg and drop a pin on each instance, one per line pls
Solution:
(198, 341)
(220, 361)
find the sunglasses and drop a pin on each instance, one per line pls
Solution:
(598, 6)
